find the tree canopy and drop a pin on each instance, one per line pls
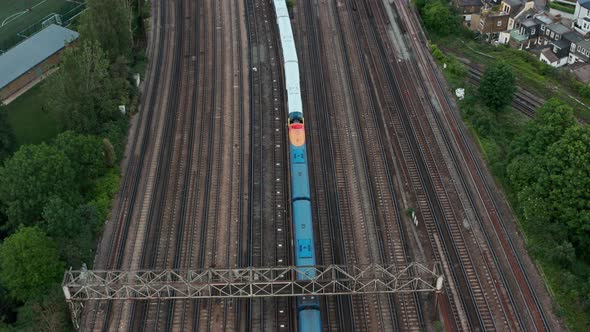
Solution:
(72, 228)
(28, 179)
(497, 86)
(7, 138)
(48, 313)
(549, 171)
(82, 92)
(29, 263)
(85, 152)
(109, 23)
(438, 17)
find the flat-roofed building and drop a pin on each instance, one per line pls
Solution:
(24, 65)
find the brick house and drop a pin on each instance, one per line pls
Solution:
(468, 9)
(24, 65)
(490, 23)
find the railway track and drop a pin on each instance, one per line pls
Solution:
(270, 235)
(393, 239)
(188, 156)
(336, 312)
(97, 315)
(431, 208)
(476, 302)
(350, 183)
(481, 196)
(363, 187)
(487, 315)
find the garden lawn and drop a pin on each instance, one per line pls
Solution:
(31, 124)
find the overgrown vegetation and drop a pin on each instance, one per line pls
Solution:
(543, 164)
(7, 137)
(562, 7)
(438, 17)
(55, 196)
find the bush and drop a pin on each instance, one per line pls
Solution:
(563, 8)
(104, 191)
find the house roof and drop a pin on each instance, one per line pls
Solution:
(584, 3)
(581, 70)
(573, 36)
(558, 28)
(529, 23)
(562, 43)
(527, 14)
(26, 55)
(585, 44)
(547, 53)
(538, 49)
(545, 19)
(513, 2)
(466, 3)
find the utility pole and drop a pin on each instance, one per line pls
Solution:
(28, 5)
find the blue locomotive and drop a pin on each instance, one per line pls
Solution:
(308, 307)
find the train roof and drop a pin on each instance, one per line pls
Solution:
(287, 41)
(281, 9)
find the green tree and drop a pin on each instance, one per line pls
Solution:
(439, 18)
(497, 86)
(48, 313)
(7, 138)
(550, 123)
(29, 263)
(72, 228)
(565, 186)
(86, 154)
(528, 150)
(82, 92)
(115, 132)
(28, 179)
(109, 23)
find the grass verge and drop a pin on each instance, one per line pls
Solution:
(32, 125)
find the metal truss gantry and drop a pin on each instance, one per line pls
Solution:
(250, 282)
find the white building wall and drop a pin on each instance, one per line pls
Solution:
(504, 37)
(559, 63)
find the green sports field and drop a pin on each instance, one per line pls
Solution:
(15, 17)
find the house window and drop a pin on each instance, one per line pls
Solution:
(542, 27)
(533, 30)
(557, 37)
(547, 32)
(579, 48)
(499, 23)
(573, 47)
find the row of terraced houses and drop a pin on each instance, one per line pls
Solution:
(557, 37)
